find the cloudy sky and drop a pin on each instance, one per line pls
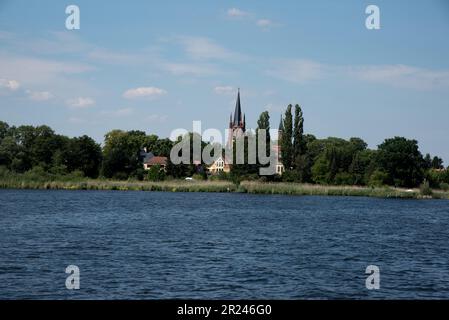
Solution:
(157, 66)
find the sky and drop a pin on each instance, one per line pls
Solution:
(157, 66)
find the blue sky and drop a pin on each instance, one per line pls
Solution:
(157, 66)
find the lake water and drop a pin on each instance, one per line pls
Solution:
(153, 245)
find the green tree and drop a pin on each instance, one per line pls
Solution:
(156, 173)
(121, 153)
(401, 160)
(4, 130)
(298, 133)
(286, 140)
(264, 123)
(437, 163)
(85, 155)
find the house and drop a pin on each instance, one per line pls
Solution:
(145, 156)
(154, 161)
(219, 165)
(237, 128)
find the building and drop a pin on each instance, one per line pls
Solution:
(237, 123)
(220, 165)
(155, 161)
(145, 156)
(237, 128)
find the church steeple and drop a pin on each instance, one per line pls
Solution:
(238, 111)
(237, 122)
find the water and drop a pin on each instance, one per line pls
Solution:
(151, 245)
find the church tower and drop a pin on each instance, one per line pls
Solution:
(237, 123)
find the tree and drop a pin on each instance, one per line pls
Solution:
(437, 163)
(286, 141)
(156, 173)
(85, 155)
(298, 133)
(121, 153)
(401, 160)
(427, 162)
(4, 129)
(264, 123)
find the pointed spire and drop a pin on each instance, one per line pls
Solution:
(238, 110)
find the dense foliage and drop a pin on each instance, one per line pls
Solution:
(39, 151)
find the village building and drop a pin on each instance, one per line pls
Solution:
(155, 161)
(237, 129)
(219, 165)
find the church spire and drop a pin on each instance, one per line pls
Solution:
(238, 111)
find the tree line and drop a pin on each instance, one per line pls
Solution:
(396, 162)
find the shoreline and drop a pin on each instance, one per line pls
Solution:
(250, 187)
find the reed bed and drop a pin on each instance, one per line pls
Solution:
(250, 187)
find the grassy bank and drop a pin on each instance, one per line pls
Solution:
(91, 184)
(252, 187)
(323, 190)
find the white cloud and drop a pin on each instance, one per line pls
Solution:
(224, 90)
(11, 85)
(402, 76)
(298, 70)
(200, 48)
(189, 69)
(144, 92)
(81, 102)
(236, 13)
(39, 95)
(155, 118)
(124, 112)
(399, 76)
(118, 113)
(38, 71)
(264, 23)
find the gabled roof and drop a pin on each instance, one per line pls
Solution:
(145, 156)
(157, 161)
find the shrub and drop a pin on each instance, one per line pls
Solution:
(197, 176)
(378, 178)
(425, 189)
(344, 178)
(156, 173)
(444, 186)
(290, 176)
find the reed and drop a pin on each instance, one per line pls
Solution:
(250, 187)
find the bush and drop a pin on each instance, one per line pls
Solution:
(378, 178)
(120, 176)
(425, 189)
(444, 186)
(290, 176)
(4, 172)
(198, 176)
(156, 173)
(344, 178)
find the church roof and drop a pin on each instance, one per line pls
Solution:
(238, 119)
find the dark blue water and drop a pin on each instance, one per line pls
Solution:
(146, 245)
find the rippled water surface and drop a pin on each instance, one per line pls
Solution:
(147, 245)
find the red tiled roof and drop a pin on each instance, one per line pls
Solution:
(157, 160)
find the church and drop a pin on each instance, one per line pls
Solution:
(237, 129)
